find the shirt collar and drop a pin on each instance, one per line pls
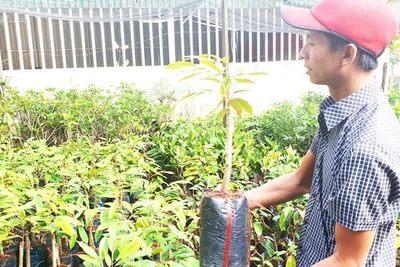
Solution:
(334, 113)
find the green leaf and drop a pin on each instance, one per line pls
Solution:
(241, 91)
(240, 104)
(212, 79)
(128, 249)
(189, 76)
(221, 114)
(91, 255)
(244, 80)
(257, 73)
(291, 261)
(225, 60)
(269, 247)
(72, 242)
(90, 260)
(180, 64)
(89, 215)
(398, 241)
(258, 228)
(210, 63)
(103, 251)
(83, 235)
(113, 210)
(66, 224)
(182, 218)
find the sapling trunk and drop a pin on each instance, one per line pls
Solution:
(21, 253)
(230, 125)
(54, 250)
(27, 250)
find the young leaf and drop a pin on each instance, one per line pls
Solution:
(128, 249)
(257, 73)
(83, 235)
(212, 79)
(210, 63)
(291, 261)
(90, 252)
(241, 91)
(182, 218)
(189, 76)
(113, 210)
(258, 228)
(244, 80)
(180, 64)
(240, 104)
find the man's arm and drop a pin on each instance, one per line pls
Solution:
(351, 248)
(286, 187)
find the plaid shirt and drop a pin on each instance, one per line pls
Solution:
(356, 180)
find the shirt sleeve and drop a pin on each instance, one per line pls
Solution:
(361, 196)
(314, 145)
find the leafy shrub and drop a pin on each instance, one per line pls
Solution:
(394, 100)
(124, 182)
(289, 124)
(62, 115)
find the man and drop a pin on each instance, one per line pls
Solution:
(352, 169)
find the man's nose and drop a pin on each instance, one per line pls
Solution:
(302, 54)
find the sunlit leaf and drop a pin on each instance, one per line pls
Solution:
(180, 64)
(128, 249)
(241, 91)
(83, 235)
(90, 252)
(210, 63)
(258, 228)
(113, 209)
(189, 76)
(212, 79)
(257, 73)
(291, 261)
(225, 60)
(244, 80)
(182, 217)
(239, 105)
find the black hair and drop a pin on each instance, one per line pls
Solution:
(366, 62)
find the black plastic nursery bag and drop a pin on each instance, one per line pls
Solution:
(224, 232)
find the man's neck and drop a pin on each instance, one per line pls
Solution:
(350, 85)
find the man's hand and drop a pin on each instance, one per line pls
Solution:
(352, 248)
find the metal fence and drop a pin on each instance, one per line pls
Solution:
(31, 42)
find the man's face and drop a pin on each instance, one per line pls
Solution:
(322, 64)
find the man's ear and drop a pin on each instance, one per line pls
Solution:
(349, 54)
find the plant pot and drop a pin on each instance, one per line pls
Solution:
(8, 260)
(39, 255)
(65, 261)
(225, 231)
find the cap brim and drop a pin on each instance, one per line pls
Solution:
(301, 18)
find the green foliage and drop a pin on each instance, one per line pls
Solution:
(297, 124)
(394, 48)
(129, 196)
(60, 115)
(223, 85)
(394, 100)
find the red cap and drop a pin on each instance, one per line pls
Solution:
(370, 24)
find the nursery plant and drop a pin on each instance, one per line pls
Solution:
(224, 221)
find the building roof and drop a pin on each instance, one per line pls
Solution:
(12, 4)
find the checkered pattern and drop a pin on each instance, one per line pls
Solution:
(357, 177)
